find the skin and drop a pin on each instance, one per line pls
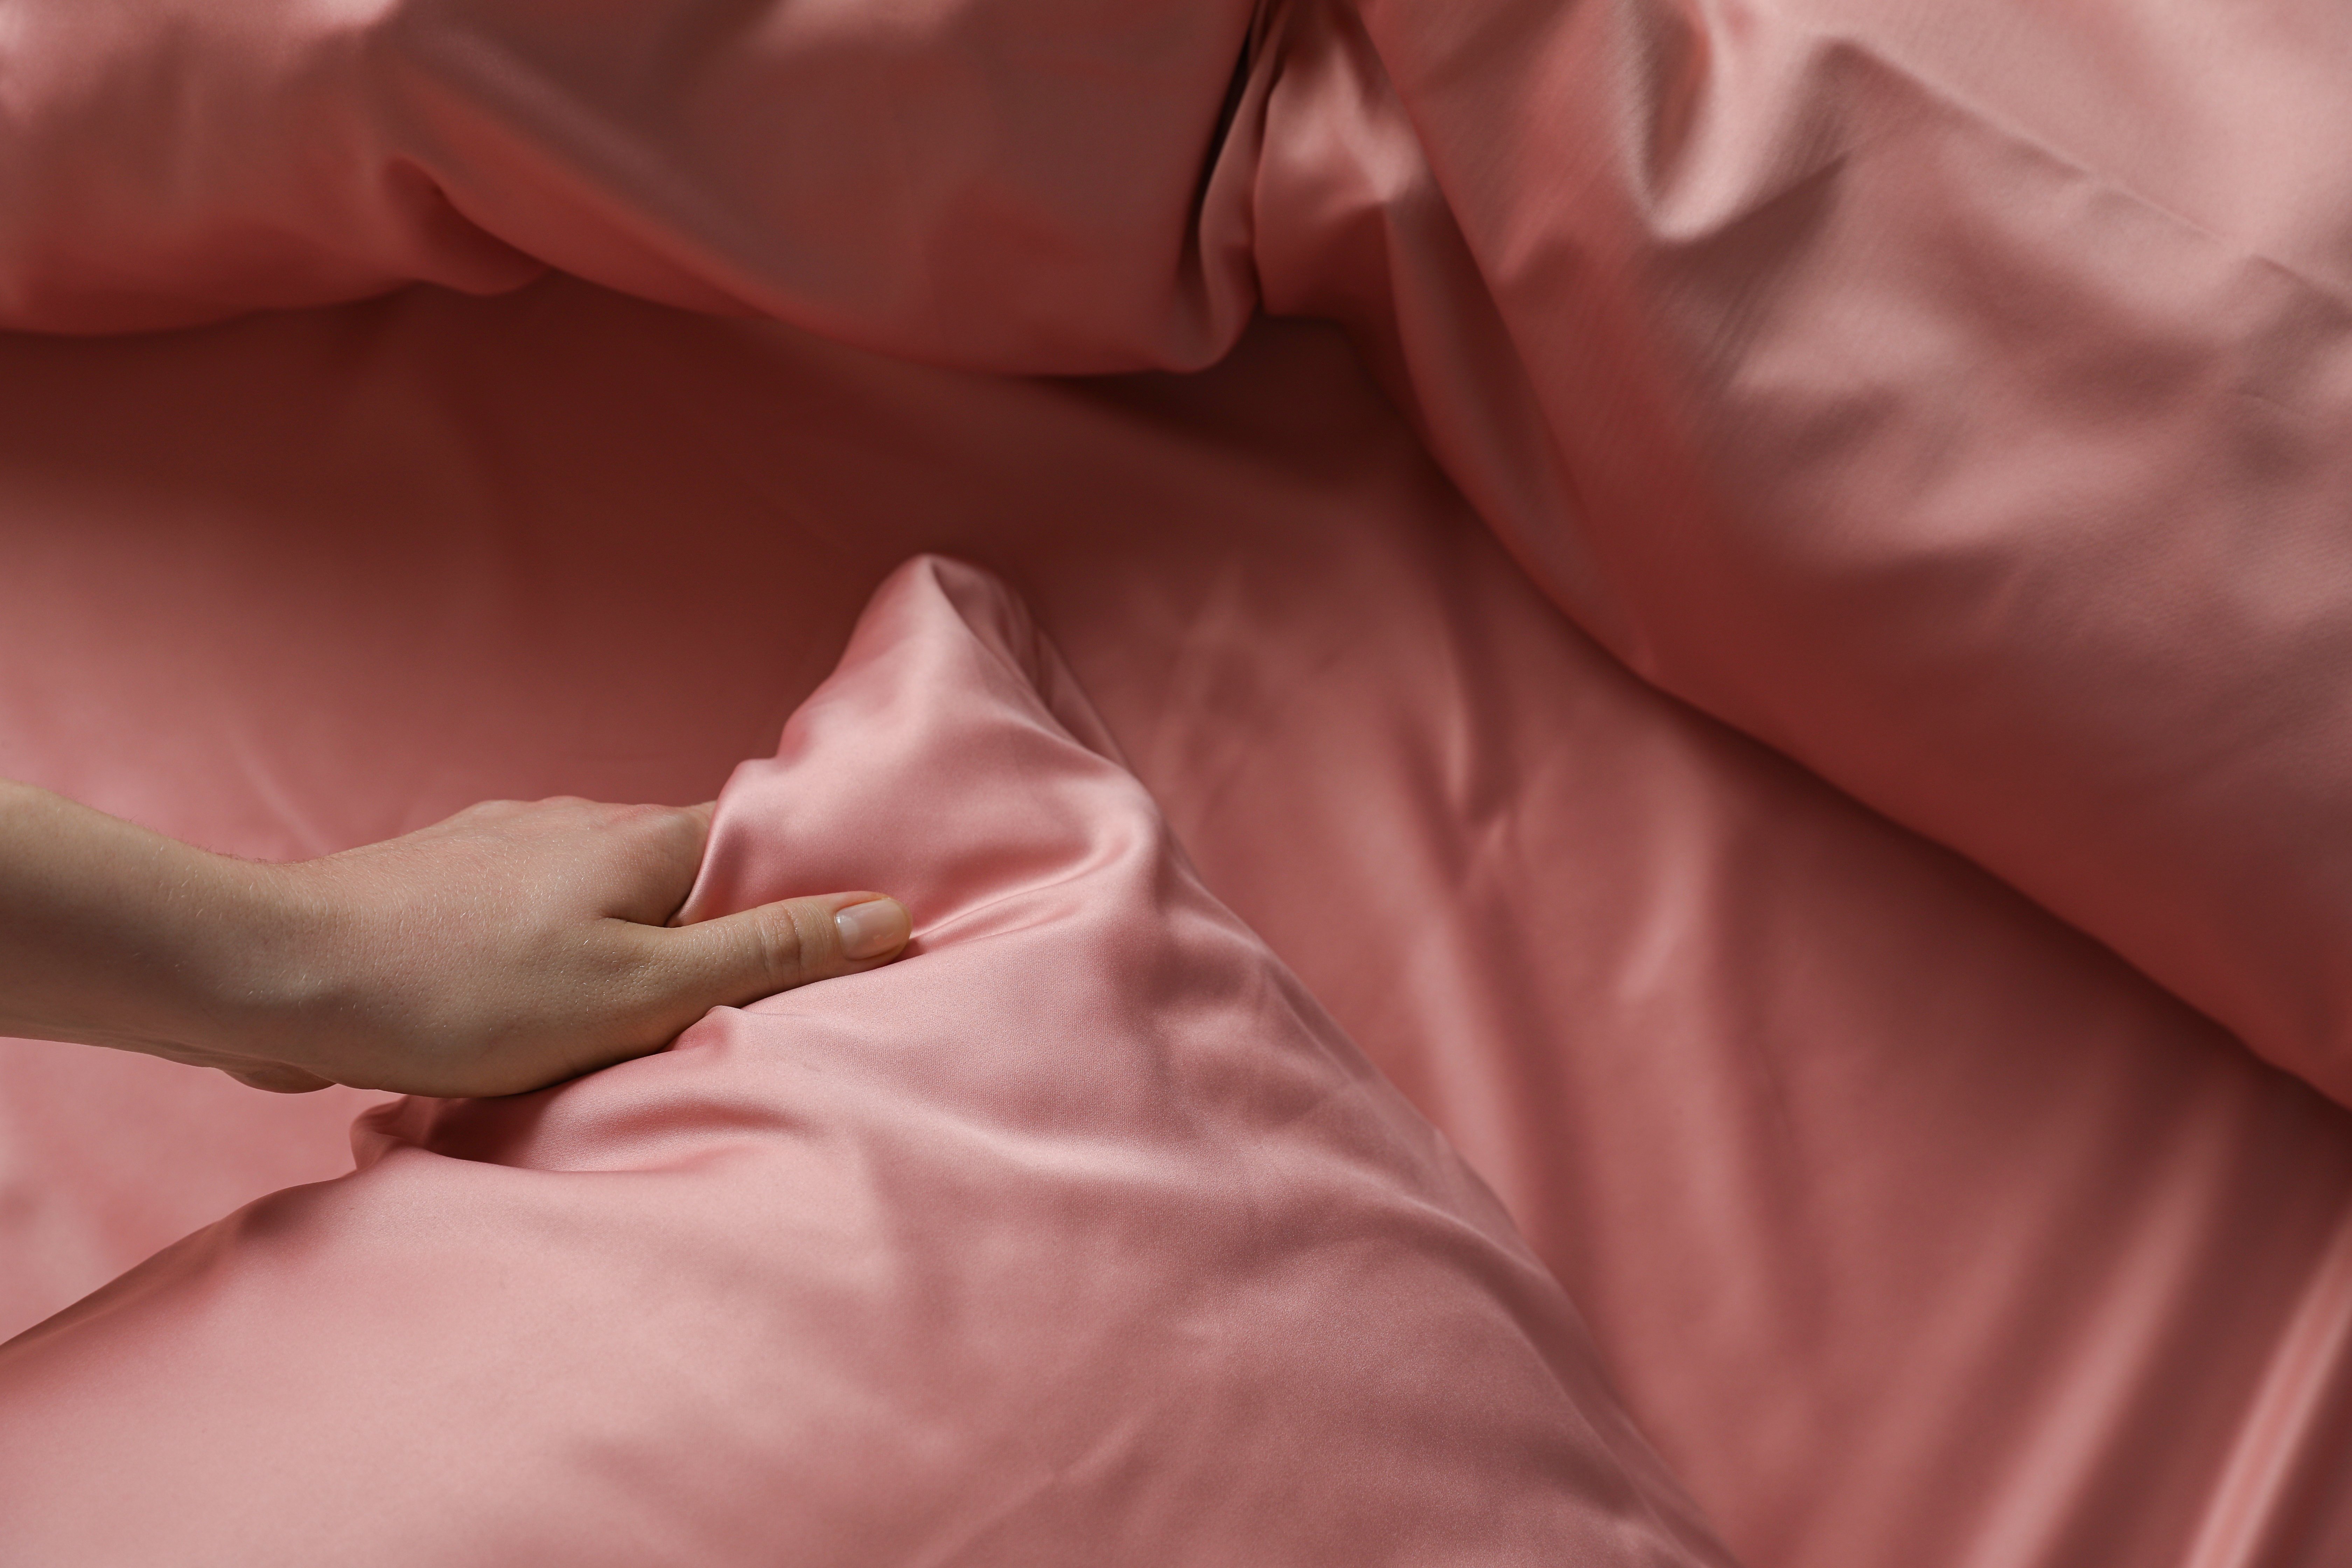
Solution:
(511, 946)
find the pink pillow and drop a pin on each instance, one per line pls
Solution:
(1080, 1235)
(1954, 397)
(1006, 184)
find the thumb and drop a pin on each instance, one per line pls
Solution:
(742, 957)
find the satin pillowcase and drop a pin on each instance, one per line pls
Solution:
(1080, 1235)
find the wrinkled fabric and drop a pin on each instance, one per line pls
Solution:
(1910, 1225)
(1078, 1233)
(1951, 401)
(1007, 184)
(1954, 403)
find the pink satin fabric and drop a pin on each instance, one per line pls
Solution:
(1954, 404)
(1953, 397)
(1951, 401)
(1078, 1234)
(1910, 1225)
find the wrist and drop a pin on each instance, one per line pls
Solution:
(264, 959)
(111, 934)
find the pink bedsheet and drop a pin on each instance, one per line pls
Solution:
(1954, 403)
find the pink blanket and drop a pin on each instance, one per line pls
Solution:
(1953, 403)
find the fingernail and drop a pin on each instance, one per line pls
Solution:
(871, 928)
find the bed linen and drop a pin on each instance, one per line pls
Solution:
(1770, 333)
(1083, 1236)
(1913, 1226)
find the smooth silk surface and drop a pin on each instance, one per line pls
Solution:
(1080, 1233)
(1952, 400)
(1911, 1226)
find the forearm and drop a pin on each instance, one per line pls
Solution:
(113, 935)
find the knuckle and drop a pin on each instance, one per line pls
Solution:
(784, 947)
(670, 821)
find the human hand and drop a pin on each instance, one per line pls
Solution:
(515, 945)
(510, 946)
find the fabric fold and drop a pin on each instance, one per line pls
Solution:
(1857, 376)
(1004, 185)
(1081, 1234)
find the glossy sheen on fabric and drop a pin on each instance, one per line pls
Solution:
(1953, 399)
(1080, 1234)
(1911, 1226)
(1008, 183)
